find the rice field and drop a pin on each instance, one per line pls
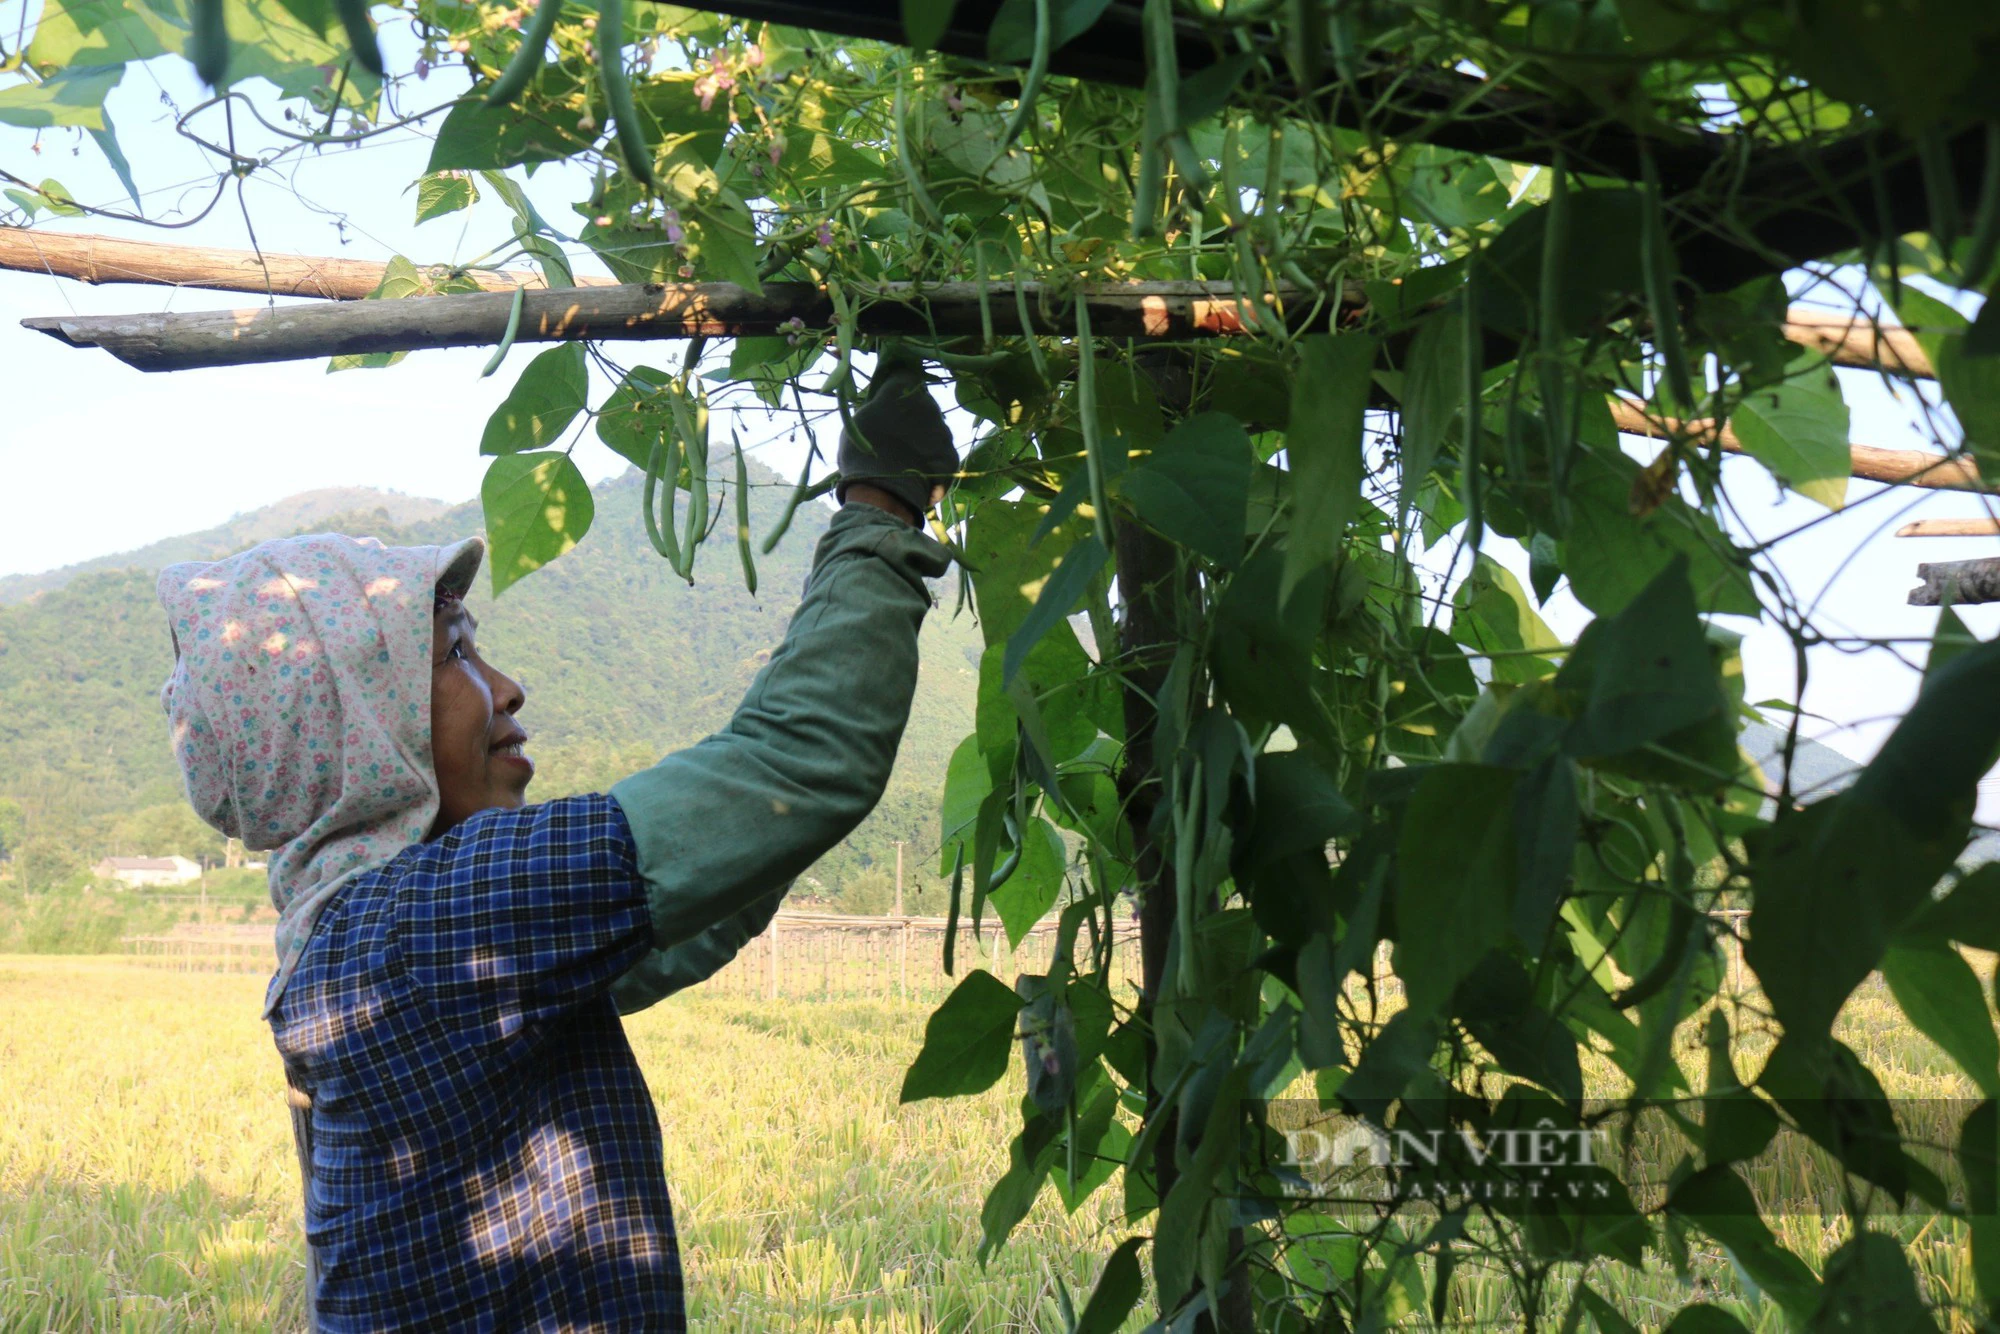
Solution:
(147, 1180)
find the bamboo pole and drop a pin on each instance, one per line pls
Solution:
(90, 258)
(96, 259)
(1950, 528)
(167, 342)
(1895, 467)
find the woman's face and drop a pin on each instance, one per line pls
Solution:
(475, 742)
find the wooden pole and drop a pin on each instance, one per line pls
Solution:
(1960, 581)
(168, 342)
(91, 258)
(899, 876)
(1950, 528)
(1895, 467)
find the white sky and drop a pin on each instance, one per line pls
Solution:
(98, 458)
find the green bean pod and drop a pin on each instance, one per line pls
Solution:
(1031, 87)
(664, 460)
(1657, 259)
(1022, 312)
(1940, 187)
(361, 34)
(743, 522)
(527, 61)
(985, 297)
(1986, 221)
(1086, 399)
(208, 42)
(792, 502)
(694, 438)
(1471, 481)
(918, 193)
(951, 908)
(632, 143)
(507, 338)
(1150, 186)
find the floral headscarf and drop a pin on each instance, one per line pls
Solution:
(300, 706)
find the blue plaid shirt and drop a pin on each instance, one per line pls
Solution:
(485, 1151)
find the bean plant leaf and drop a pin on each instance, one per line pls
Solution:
(537, 507)
(1433, 387)
(1609, 555)
(1491, 615)
(106, 140)
(1011, 39)
(1323, 444)
(925, 21)
(1118, 1290)
(73, 97)
(1195, 486)
(1032, 890)
(1940, 994)
(1869, 1285)
(442, 192)
(968, 1040)
(542, 403)
(1456, 866)
(1798, 429)
(1056, 598)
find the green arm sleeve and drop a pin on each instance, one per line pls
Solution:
(724, 826)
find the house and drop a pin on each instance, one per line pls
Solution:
(141, 871)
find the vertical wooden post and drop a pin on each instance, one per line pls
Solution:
(773, 933)
(903, 959)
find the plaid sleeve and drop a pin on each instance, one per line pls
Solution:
(526, 913)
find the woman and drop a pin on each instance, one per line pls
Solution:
(452, 962)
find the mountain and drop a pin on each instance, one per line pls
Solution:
(622, 662)
(306, 512)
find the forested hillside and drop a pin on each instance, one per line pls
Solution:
(622, 662)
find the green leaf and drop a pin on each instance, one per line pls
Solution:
(1433, 383)
(1971, 384)
(722, 243)
(925, 22)
(76, 34)
(71, 97)
(1594, 277)
(1869, 1286)
(1009, 569)
(1610, 556)
(968, 782)
(637, 415)
(967, 1041)
(1299, 808)
(1323, 447)
(477, 137)
(1011, 39)
(1970, 914)
(541, 404)
(1492, 616)
(1716, 1201)
(1456, 864)
(1194, 487)
(56, 198)
(107, 144)
(442, 192)
(1940, 994)
(1798, 429)
(1263, 654)
(1644, 674)
(1056, 599)
(1117, 1292)
(27, 203)
(537, 507)
(1032, 890)
(1497, 1005)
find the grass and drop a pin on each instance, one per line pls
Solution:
(147, 1180)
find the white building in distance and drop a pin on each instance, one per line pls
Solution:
(142, 871)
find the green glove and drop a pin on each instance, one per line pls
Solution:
(898, 440)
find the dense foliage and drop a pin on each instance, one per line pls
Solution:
(1320, 722)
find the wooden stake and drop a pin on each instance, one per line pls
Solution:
(1950, 528)
(163, 342)
(90, 258)
(1895, 467)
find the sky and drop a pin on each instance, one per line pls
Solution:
(99, 458)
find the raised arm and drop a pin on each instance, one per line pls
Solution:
(724, 826)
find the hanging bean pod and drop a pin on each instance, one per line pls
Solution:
(527, 61)
(1657, 258)
(1086, 400)
(361, 34)
(743, 522)
(610, 36)
(208, 42)
(1031, 87)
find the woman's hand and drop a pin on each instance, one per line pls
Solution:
(898, 453)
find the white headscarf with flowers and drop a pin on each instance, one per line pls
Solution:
(300, 706)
